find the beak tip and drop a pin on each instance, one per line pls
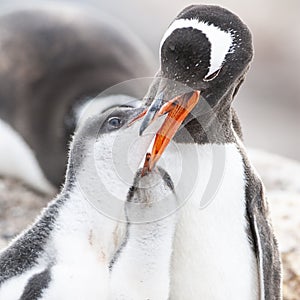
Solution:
(146, 122)
(142, 129)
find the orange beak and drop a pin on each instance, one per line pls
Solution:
(177, 109)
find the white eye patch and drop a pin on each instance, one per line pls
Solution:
(221, 41)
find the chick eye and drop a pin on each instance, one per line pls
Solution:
(115, 122)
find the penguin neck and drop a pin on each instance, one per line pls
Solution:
(209, 124)
(151, 245)
(152, 239)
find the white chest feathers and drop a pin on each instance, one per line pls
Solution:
(77, 255)
(142, 268)
(200, 252)
(212, 256)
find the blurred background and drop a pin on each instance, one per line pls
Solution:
(269, 102)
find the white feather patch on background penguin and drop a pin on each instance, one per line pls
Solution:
(19, 161)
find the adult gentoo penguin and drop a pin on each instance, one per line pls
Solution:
(225, 247)
(73, 249)
(54, 59)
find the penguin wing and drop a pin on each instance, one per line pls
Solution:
(23, 253)
(263, 240)
(20, 256)
(36, 285)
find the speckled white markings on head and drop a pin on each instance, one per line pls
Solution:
(221, 41)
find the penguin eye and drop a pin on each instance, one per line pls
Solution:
(212, 76)
(114, 122)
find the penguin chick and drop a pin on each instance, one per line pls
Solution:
(142, 265)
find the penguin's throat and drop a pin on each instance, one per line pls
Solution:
(205, 128)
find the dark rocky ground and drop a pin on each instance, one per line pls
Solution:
(19, 206)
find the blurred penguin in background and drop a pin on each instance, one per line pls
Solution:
(53, 60)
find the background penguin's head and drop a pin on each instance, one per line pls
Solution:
(55, 58)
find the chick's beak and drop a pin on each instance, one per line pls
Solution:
(177, 109)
